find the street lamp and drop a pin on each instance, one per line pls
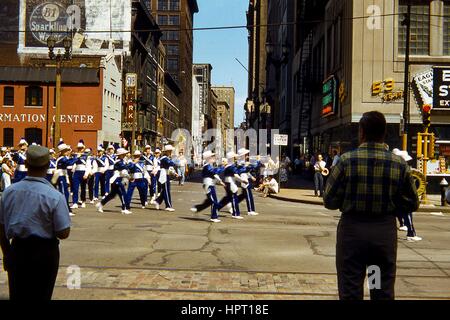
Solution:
(59, 58)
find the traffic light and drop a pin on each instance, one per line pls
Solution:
(426, 115)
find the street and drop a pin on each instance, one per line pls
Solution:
(286, 252)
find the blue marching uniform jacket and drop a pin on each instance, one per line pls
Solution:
(21, 170)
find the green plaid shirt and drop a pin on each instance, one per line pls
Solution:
(371, 180)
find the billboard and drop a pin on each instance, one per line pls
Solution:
(94, 25)
(441, 88)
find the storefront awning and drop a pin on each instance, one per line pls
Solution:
(48, 75)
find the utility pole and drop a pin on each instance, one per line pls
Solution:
(406, 22)
(57, 133)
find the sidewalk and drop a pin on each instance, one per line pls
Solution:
(301, 190)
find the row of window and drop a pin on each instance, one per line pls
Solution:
(164, 5)
(420, 29)
(33, 96)
(168, 20)
(31, 134)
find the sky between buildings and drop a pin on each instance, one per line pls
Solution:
(221, 47)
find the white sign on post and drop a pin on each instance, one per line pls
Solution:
(131, 79)
(280, 139)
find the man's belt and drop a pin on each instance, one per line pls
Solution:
(138, 175)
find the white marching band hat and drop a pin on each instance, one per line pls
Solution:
(80, 144)
(208, 154)
(168, 147)
(137, 153)
(147, 147)
(121, 151)
(231, 155)
(23, 142)
(157, 150)
(51, 151)
(402, 153)
(110, 147)
(243, 152)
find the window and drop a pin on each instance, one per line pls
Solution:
(33, 96)
(8, 96)
(172, 49)
(420, 29)
(446, 29)
(33, 135)
(171, 35)
(8, 137)
(174, 20)
(169, 5)
(163, 20)
(163, 5)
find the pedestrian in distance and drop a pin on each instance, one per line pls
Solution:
(370, 186)
(33, 217)
(319, 169)
(181, 168)
(406, 218)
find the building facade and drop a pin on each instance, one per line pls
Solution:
(225, 115)
(176, 19)
(227, 94)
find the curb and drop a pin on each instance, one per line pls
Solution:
(426, 208)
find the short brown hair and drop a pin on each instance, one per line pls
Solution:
(373, 125)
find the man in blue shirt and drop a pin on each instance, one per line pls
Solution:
(33, 216)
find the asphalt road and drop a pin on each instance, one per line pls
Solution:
(286, 252)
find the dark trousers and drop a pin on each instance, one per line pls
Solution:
(34, 267)
(118, 189)
(407, 220)
(363, 242)
(232, 198)
(99, 183)
(90, 183)
(210, 201)
(318, 183)
(165, 195)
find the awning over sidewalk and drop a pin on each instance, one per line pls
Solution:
(48, 75)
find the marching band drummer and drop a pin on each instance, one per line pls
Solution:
(166, 166)
(61, 176)
(116, 181)
(51, 166)
(138, 178)
(210, 176)
(319, 170)
(19, 158)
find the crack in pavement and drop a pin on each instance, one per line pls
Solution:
(314, 246)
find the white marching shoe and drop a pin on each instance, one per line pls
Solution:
(71, 214)
(252, 213)
(214, 220)
(156, 205)
(170, 209)
(83, 205)
(412, 239)
(99, 207)
(74, 206)
(237, 217)
(193, 209)
(403, 228)
(126, 211)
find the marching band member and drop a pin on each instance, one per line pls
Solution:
(61, 176)
(19, 158)
(116, 181)
(148, 163)
(99, 175)
(154, 176)
(80, 176)
(138, 178)
(92, 168)
(166, 167)
(110, 167)
(210, 176)
(244, 170)
(51, 166)
(231, 173)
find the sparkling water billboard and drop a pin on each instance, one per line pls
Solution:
(94, 25)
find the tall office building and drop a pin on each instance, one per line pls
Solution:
(176, 19)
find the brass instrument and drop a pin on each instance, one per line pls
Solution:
(420, 181)
(325, 172)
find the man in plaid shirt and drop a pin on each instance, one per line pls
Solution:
(370, 186)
